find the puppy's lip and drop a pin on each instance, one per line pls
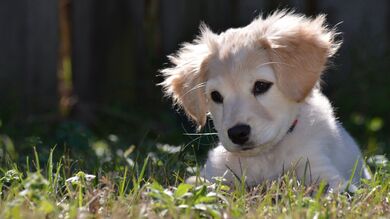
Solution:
(239, 149)
(247, 148)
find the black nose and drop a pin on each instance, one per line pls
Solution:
(239, 134)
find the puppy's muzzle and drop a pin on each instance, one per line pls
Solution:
(239, 134)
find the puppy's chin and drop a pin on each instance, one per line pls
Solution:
(249, 150)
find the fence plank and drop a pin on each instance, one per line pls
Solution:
(42, 55)
(29, 55)
(83, 63)
(12, 56)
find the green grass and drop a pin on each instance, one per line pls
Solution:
(152, 186)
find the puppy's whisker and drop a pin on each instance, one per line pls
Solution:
(282, 63)
(268, 63)
(200, 85)
(201, 134)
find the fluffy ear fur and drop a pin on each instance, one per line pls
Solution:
(184, 82)
(298, 48)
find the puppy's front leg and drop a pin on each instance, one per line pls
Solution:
(195, 180)
(323, 169)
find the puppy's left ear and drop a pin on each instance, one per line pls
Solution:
(299, 48)
(185, 81)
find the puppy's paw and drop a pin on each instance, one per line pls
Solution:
(341, 187)
(195, 180)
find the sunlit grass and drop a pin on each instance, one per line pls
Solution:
(154, 188)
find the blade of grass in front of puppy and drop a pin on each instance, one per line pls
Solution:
(123, 184)
(307, 167)
(352, 175)
(234, 174)
(57, 175)
(49, 170)
(27, 164)
(321, 190)
(141, 175)
(137, 175)
(37, 165)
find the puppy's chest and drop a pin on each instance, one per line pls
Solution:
(256, 169)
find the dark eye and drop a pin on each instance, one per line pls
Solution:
(261, 87)
(216, 97)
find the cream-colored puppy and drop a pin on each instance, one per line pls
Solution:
(260, 85)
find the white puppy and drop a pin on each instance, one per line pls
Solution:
(260, 85)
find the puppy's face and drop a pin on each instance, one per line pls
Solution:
(251, 79)
(248, 109)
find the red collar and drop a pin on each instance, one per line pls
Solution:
(292, 127)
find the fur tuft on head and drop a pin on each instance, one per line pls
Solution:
(185, 80)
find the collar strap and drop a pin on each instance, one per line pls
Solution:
(292, 127)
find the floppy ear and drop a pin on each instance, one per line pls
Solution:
(184, 82)
(298, 48)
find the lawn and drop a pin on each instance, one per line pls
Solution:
(130, 184)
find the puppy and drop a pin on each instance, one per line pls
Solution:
(260, 86)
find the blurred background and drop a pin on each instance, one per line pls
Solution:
(81, 75)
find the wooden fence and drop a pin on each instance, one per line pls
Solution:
(117, 46)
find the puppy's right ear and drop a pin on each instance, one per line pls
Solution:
(185, 81)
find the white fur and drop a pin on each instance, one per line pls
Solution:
(291, 52)
(317, 139)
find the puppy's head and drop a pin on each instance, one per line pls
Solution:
(251, 79)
